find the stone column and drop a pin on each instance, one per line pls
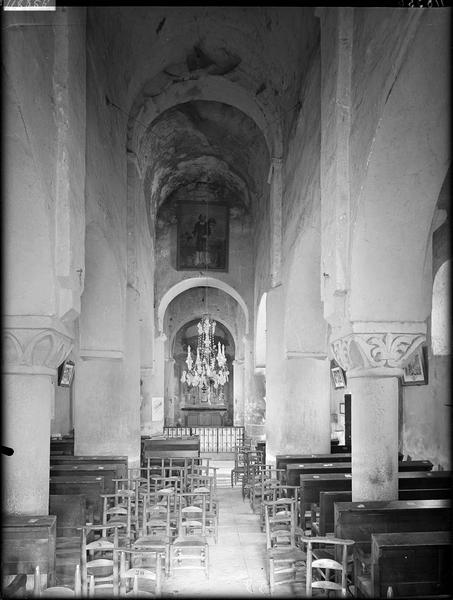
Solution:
(275, 382)
(306, 404)
(34, 347)
(374, 360)
(157, 381)
(238, 391)
(169, 405)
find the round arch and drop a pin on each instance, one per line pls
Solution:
(183, 323)
(210, 88)
(192, 282)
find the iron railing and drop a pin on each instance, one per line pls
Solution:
(212, 439)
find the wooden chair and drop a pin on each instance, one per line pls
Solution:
(140, 570)
(204, 490)
(15, 588)
(320, 564)
(59, 591)
(156, 531)
(99, 560)
(119, 509)
(237, 472)
(262, 487)
(285, 558)
(190, 549)
(253, 465)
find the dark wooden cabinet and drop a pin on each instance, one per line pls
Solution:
(29, 541)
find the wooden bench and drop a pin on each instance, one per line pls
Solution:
(29, 541)
(288, 459)
(71, 513)
(409, 564)
(91, 487)
(324, 525)
(312, 484)
(358, 520)
(170, 447)
(294, 470)
(121, 462)
(108, 472)
(62, 446)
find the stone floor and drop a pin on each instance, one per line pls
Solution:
(237, 561)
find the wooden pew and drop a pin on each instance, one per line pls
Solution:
(358, 520)
(325, 524)
(71, 513)
(120, 461)
(288, 459)
(91, 487)
(29, 541)
(62, 446)
(170, 447)
(294, 470)
(410, 563)
(108, 472)
(312, 484)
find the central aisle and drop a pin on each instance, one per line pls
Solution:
(238, 560)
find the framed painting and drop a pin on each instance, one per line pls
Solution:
(66, 373)
(415, 371)
(202, 236)
(338, 378)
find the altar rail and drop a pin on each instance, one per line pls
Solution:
(212, 439)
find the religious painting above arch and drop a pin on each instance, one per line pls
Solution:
(202, 234)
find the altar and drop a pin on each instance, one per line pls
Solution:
(209, 415)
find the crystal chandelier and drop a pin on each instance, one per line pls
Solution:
(209, 367)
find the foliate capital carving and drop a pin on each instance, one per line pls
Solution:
(34, 344)
(376, 354)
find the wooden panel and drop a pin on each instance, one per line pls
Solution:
(109, 472)
(327, 500)
(358, 520)
(63, 446)
(294, 470)
(70, 510)
(120, 462)
(343, 482)
(287, 459)
(411, 563)
(28, 542)
(91, 487)
(171, 447)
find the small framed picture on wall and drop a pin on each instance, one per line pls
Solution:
(416, 370)
(338, 376)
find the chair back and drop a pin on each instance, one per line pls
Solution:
(99, 559)
(320, 566)
(59, 591)
(137, 565)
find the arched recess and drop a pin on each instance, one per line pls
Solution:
(101, 322)
(260, 336)
(441, 313)
(192, 406)
(407, 163)
(193, 282)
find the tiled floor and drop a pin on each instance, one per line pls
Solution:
(237, 561)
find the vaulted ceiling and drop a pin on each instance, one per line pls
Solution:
(207, 88)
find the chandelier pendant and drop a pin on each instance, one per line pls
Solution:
(209, 367)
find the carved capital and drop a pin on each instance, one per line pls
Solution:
(376, 354)
(35, 344)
